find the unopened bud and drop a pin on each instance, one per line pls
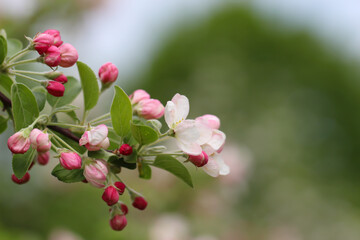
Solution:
(96, 172)
(56, 35)
(19, 142)
(199, 160)
(55, 88)
(108, 73)
(22, 180)
(139, 95)
(43, 158)
(118, 222)
(52, 56)
(124, 208)
(150, 109)
(69, 55)
(125, 149)
(40, 140)
(209, 120)
(139, 203)
(120, 187)
(61, 79)
(42, 42)
(70, 160)
(110, 196)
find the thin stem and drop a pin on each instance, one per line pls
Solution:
(100, 117)
(161, 154)
(63, 142)
(86, 113)
(30, 72)
(102, 122)
(19, 54)
(37, 119)
(65, 125)
(27, 77)
(21, 62)
(159, 140)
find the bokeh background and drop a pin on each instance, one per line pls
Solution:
(283, 76)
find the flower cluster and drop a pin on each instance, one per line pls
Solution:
(94, 151)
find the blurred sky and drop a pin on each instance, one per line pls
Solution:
(133, 28)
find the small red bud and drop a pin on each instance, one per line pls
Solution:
(42, 42)
(56, 35)
(199, 160)
(139, 203)
(118, 222)
(125, 149)
(23, 180)
(124, 208)
(56, 89)
(52, 57)
(61, 79)
(43, 157)
(120, 187)
(110, 196)
(108, 73)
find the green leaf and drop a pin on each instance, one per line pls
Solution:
(132, 157)
(40, 96)
(89, 85)
(14, 46)
(3, 48)
(3, 124)
(22, 162)
(72, 90)
(74, 144)
(73, 116)
(24, 106)
(172, 165)
(121, 113)
(144, 171)
(111, 158)
(68, 176)
(143, 134)
(5, 84)
(66, 108)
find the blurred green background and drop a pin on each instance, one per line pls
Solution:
(288, 102)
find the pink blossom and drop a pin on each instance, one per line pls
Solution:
(19, 143)
(69, 55)
(139, 95)
(150, 109)
(70, 160)
(108, 73)
(96, 172)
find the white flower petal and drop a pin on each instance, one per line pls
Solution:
(223, 168)
(190, 148)
(217, 140)
(169, 115)
(205, 133)
(182, 107)
(211, 168)
(187, 131)
(98, 134)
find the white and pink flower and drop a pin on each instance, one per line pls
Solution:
(96, 172)
(189, 134)
(96, 138)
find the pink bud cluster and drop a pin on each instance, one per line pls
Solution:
(146, 107)
(108, 73)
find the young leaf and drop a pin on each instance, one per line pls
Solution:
(3, 124)
(73, 116)
(121, 113)
(172, 165)
(68, 176)
(66, 108)
(14, 46)
(24, 106)
(131, 158)
(3, 48)
(143, 134)
(144, 171)
(72, 90)
(89, 85)
(5, 84)
(40, 96)
(22, 162)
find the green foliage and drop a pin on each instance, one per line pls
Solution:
(89, 85)
(14, 46)
(5, 84)
(173, 166)
(3, 48)
(40, 96)
(68, 176)
(3, 123)
(144, 171)
(22, 162)
(121, 113)
(143, 134)
(24, 106)
(72, 90)
(132, 158)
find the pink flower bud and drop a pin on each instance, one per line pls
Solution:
(139, 203)
(56, 89)
(124, 208)
(61, 79)
(19, 143)
(125, 149)
(56, 35)
(96, 138)
(209, 120)
(23, 180)
(199, 160)
(118, 222)
(108, 73)
(120, 187)
(52, 56)
(150, 109)
(43, 158)
(39, 140)
(69, 55)
(70, 160)
(110, 196)
(95, 173)
(139, 95)
(42, 42)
